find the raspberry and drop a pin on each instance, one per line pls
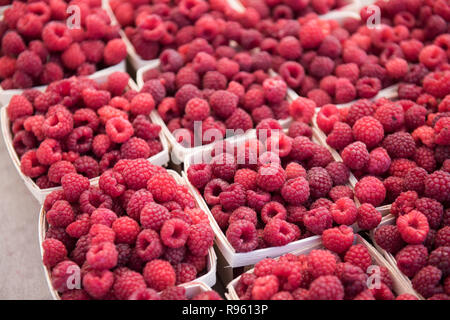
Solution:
(128, 282)
(102, 256)
(370, 190)
(174, 233)
(271, 177)
(437, 186)
(154, 87)
(239, 119)
(80, 139)
(413, 227)
(317, 220)
(368, 217)
(326, 118)
(199, 175)
(432, 210)
(223, 166)
(272, 210)
(29, 62)
(411, 259)
(18, 107)
(296, 191)
(54, 252)
(278, 232)
(321, 67)
(242, 235)
(61, 275)
(321, 263)
(359, 256)
(60, 214)
(12, 44)
(341, 191)
(442, 237)
(424, 157)
(153, 216)
(74, 185)
(320, 182)
(338, 239)
(159, 274)
(98, 283)
(391, 116)
(213, 189)
(311, 34)
(87, 166)
(126, 230)
(427, 280)
(415, 180)
(302, 109)
(355, 155)
(185, 272)
(338, 172)
(162, 186)
(137, 172)
(439, 259)
(344, 211)
(265, 287)
(369, 131)
(232, 197)
(399, 145)
(345, 91)
(340, 136)
(115, 51)
(201, 238)
(148, 245)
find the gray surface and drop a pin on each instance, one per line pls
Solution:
(21, 273)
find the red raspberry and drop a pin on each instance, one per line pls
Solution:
(368, 217)
(30, 63)
(197, 109)
(321, 263)
(400, 145)
(148, 245)
(274, 90)
(246, 178)
(355, 155)
(338, 172)
(338, 239)
(98, 283)
(411, 259)
(404, 203)
(103, 216)
(61, 274)
(201, 238)
(278, 232)
(265, 287)
(145, 294)
(199, 175)
(145, 129)
(174, 293)
(264, 267)
(126, 230)
(327, 117)
(369, 131)
(388, 238)
(326, 288)
(340, 136)
(442, 237)
(54, 252)
(224, 166)
(317, 220)
(156, 88)
(339, 192)
(432, 210)
(439, 258)
(400, 167)
(232, 197)
(272, 210)
(142, 103)
(87, 166)
(239, 119)
(437, 186)
(427, 281)
(137, 172)
(391, 116)
(379, 161)
(159, 274)
(296, 191)
(102, 256)
(185, 272)
(153, 216)
(302, 109)
(242, 235)
(413, 227)
(271, 177)
(61, 214)
(359, 256)
(18, 107)
(174, 233)
(370, 190)
(345, 91)
(424, 157)
(30, 166)
(344, 211)
(115, 51)
(73, 186)
(320, 182)
(128, 282)
(311, 34)
(162, 186)
(213, 189)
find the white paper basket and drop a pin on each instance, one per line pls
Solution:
(399, 286)
(205, 281)
(160, 159)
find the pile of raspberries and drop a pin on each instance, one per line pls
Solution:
(319, 275)
(38, 47)
(420, 241)
(395, 145)
(329, 63)
(152, 27)
(220, 88)
(80, 126)
(136, 234)
(268, 193)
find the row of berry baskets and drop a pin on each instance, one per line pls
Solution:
(289, 246)
(232, 257)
